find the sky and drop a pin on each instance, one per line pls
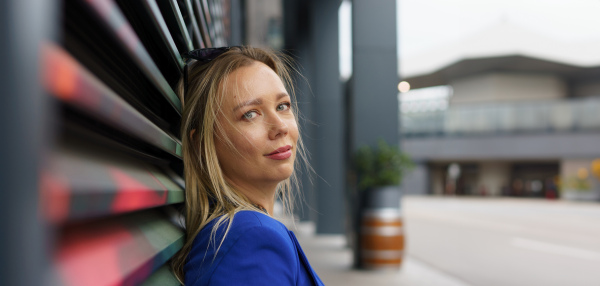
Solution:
(425, 24)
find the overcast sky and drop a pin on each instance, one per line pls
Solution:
(425, 24)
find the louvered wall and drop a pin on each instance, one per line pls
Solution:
(113, 182)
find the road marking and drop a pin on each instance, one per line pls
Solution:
(555, 249)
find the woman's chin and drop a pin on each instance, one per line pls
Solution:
(284, 173)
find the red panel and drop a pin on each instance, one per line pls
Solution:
(92, 258)
(133, 195)
(55, 197)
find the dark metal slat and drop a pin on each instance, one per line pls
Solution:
(145, 18)
(113, 17)
(88, 39)
(216, 10)
(159, 21)
(172, 14)
(202, 24)
(195, 25)
(72, 83)
(210, 24)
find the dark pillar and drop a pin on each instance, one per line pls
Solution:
(23, 105)
(329, 110)
(237, 14)
(311, 35)
(375, 73)
(297, 38)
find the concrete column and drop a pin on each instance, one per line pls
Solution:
(492, 177)
(298, 43)
(375, 78)
(437, 180)
(329, 116)
(237, 17)
(26, 132)
(311, 35)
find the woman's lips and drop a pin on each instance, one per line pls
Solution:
(280, 153)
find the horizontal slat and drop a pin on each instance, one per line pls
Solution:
(96, 47)
(65, 78)
(210, 25)
(79, 184)
(202, 24)
(112, 16)
(159, 21)
(218, 17)
(145, 18)
(189, 11)
(119, 251)
(176, 24)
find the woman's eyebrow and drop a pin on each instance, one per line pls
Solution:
(279, 96)
(256, 101)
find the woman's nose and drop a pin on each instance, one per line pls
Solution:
(278, 128)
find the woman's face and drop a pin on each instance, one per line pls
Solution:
(257, 119)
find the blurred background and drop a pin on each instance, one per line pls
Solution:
(495, 102)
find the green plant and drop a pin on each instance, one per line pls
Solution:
(575, 183)
(383, 165)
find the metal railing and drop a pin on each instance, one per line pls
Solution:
(511, 117)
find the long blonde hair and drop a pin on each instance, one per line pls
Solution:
(208, 195)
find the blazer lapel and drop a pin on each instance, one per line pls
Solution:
(315, 278)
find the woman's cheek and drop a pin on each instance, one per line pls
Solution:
(250, 138)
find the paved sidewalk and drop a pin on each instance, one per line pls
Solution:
(332, 260)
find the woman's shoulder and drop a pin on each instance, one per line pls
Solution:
(253, 239)
(244, 223)
(245, 220)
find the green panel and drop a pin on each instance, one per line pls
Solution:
(162, 277)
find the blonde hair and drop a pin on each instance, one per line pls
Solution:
(208, 195)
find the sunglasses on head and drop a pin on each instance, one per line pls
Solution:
(203, 56)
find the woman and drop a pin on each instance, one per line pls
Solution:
(240, 142)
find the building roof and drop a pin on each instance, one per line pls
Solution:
(505, 47)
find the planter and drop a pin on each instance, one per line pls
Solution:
(381, 236)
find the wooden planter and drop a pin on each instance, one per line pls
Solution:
(381, 233)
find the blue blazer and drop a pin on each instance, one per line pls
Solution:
(258, 250)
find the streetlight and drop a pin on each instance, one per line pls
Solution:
(403, 86)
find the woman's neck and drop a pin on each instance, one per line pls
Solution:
(262, 196)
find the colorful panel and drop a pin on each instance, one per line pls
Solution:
(162, 277)
(78, 186)
(123, 251)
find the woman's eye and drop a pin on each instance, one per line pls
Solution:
(250, 115)
(283, 107)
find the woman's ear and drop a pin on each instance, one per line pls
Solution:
(192, 134)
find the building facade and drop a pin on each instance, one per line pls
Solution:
(504, 125)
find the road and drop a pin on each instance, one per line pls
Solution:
(496, 241)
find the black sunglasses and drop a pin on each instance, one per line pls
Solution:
(203, 56)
